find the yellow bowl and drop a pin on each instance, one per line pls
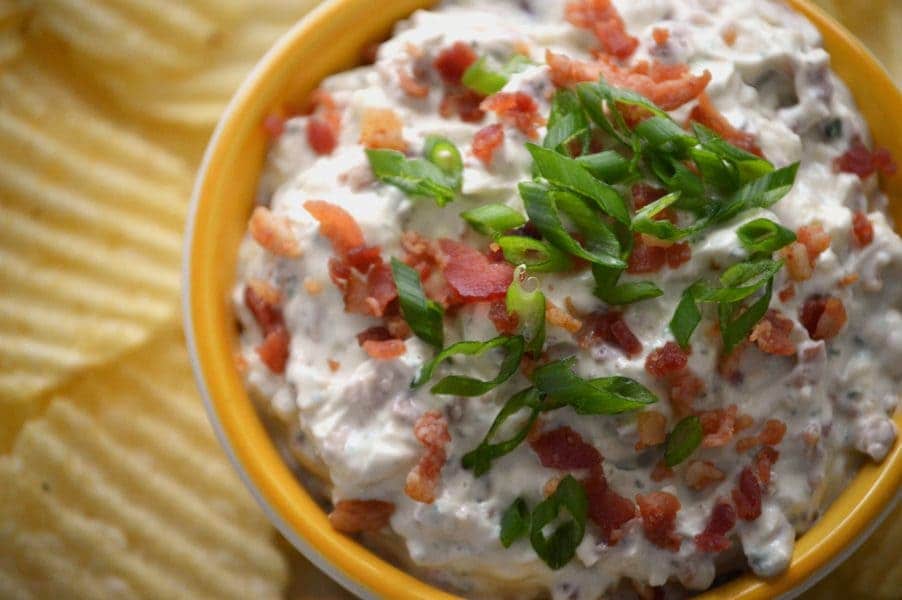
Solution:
(327, 41)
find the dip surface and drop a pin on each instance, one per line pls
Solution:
(813, 385)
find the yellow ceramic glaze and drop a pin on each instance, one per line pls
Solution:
(329, 40)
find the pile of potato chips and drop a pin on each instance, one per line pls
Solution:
(111, 483)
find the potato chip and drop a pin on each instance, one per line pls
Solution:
(120, 490)
(91, 218)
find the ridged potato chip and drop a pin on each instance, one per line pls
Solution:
(120, 490)
(91, 218)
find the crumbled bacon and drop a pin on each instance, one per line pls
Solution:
(274, 125)
(563, 448)
(659, 511)
(381, 290)
(263, 300)
(410, 86)
(384, 349)
(660, 35)
(463, 102)
(861, 161)
(668, 88)
(337, 225)
(815, 240)
(561, 318)
(772, 433)
(707, 114)
(667, 360)
(602, 18)
(714, 537)
(378, 333)
(644, 194)
(728, 364)
(747, 495)
(661, 471)
(729, 34)
(273, 352)
(320, 135)
(355, 516)
(862, 229)
(471, 275)
(685, 387)
(798, 264)
(743, 421)
(772, 334)
(505, 322)
(486, 142)
(609, 327)
(382, 128)
(452, 62)
(823, 317)
(651, 427)
(645, 258)
(678, 254)
(718, 426)
(607, 509)
(274, 234)
(517, 109)
(787, 293)
(700, 474)
(431, 430)
(764, 462)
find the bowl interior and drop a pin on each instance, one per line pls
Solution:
(329, 40)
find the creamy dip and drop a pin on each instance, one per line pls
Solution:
(356, 414)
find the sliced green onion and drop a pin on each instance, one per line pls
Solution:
(644, 221)
(480, 78)
(493, 219)
(529, 306)
(609, 166)
(557, 549)
(566, 122)
(628, 293)
(749, 166)
(734, 330)
(415, 176)
(480, 459)
(538, 256)
(663, 134)
(763, 192)
(514, 522)
(763, 236)
(732, 280)
(686, 317)
(600, 396)
(569, 174)
(424, 316)
(682, 441)
(543, 212)
(460, 385)
(444, 154)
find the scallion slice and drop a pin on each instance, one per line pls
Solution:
(424, 316)
(461, 385)
(480, 459)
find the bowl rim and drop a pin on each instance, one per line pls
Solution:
(367, 575)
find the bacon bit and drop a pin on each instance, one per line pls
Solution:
(707, 114)
(815, 240)
(659, 511)
(729, 34)
(504, 321)
(607, 509)
(487, 141)
(355, 516)
(420, 253)
(313, 286)
(431, 430)
(772, 433)
(273, 352)
(602, 17)
(661, 472)
(678, 254)
(471, 275)
(823, 317)
(747, 496)
(565, 449)
(743, 421)
(787, 293)
(862, 229)
(561, 318)
(656, 82)
(644, 194)
(384, 349)
(652, 429)
(381, 290)
(410, 86)
(337, 225)
(728, 364)
(451, 62)
(382, 128)
(645, 258)
(274, 125)
(609, 327)
(263, 300)
(667, 360)
(334, 365)
(718, 426)
(464, 103)
(517, 109)
(764, 461)
(798, 262)
(378, 333)
(550, 486)
(320, 135)
(685, 387)
(273, 233)
(847, 280)
(861, 161)
(772, 334)
(747, 443)
(714, 537)
(660, 35)
(700, 474)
